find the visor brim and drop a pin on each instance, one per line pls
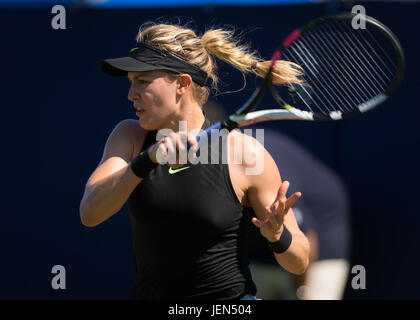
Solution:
(121, 66)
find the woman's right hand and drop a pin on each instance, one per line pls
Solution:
(173, 149)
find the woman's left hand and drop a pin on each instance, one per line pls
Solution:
(272, 227)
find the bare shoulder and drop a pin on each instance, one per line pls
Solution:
(130, 126)
(250, 164)
(252, 160)
(246, 150)
(124, 139)
(133, 130)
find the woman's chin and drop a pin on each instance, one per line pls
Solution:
(147, 125)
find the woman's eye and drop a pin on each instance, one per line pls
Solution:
(139, 81)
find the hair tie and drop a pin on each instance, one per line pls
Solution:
(254, 66)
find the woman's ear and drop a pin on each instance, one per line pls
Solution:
(184, 83)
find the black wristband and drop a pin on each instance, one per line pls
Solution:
(142, 165)
(283, 243)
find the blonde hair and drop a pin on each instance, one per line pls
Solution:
(186, 44)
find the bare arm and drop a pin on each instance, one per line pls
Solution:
(266, 195)
(112, 182)
(301, 280)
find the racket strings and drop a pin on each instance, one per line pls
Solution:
(324, 79)
(339, 66)
(331, 73)
(385, 54)
(367, 54)
(355, 79)
(359, 75)
(312, 67)
(344, 67)
(308, 97)
(358, 79)
(321, 78)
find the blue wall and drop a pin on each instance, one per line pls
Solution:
(58, 109)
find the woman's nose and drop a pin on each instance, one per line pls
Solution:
(132, 95)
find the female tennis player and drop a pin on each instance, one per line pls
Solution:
(189, 222)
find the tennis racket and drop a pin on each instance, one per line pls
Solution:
(346, 72)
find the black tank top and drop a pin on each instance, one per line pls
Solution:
(190, 233)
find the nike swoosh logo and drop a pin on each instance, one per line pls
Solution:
(173, 171)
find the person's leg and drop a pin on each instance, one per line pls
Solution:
(325, 280)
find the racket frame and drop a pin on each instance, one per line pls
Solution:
(244, 115)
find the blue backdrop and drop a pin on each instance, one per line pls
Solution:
(58, 109)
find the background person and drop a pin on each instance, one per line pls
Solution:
(323, 214)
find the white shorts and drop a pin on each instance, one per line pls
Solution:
(326, 279)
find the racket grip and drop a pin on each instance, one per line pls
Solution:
(207, 132)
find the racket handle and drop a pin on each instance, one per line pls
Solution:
(207, 132)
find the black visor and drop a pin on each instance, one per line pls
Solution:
(148, 58)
